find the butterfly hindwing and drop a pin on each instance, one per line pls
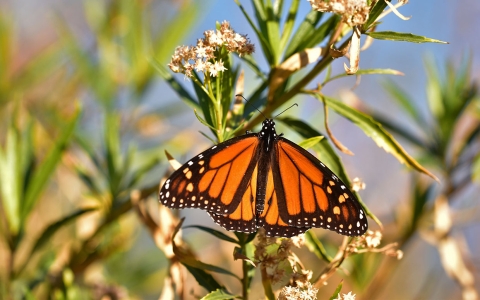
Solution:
(215, 180)
(244, 217)
(310, 195)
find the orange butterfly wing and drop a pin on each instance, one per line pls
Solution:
(305, 194)
(217, 180)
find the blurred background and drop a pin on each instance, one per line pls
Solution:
(61, 57)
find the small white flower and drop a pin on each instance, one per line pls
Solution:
(349, 296)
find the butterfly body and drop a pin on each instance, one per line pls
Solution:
(264, 180)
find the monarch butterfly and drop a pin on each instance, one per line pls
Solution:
(264, 180)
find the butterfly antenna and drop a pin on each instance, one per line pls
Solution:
(294, 104)
(239, 95)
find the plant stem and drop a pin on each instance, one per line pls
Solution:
(296, 89)
(245, 269)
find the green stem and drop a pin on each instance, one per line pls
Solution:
(245, 282)
(245, 269)
(267, 285)
(218, 109)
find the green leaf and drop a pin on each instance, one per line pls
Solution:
(402, 37)
(187, 258)
(339, 287)
(366, 72)
(179, 28)
(309, 143)
(10, 181)
(322, 32)
(402, 131)
(174, 84)
(42, 174)
(113, 152)
(476, 169)
(219, 294)
(215, 233)
(305, 30)
(267, 50)
(287, 28)
(54, 227)
(374, 14)
(245, 238)
(404, 101)
(144, 169)
(252, 63)
(376, 132)
(203, 121)
(273, 30)
(316, 247)
(203, 278)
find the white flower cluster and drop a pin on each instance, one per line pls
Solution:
(353, 12)
(201, 57)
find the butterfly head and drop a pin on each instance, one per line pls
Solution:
(268, 133)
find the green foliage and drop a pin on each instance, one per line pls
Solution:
(66, 167)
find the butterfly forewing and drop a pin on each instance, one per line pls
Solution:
(214, 180)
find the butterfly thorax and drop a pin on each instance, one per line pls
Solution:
(267, 136)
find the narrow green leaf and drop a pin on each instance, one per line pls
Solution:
(402, 132)
(174, 84)
(375, 131)
(250, 60)
(321, 33)
(113, 152)
(203, 121)
(309, 143)
(374, 14)
(207, 105)
(288, 27)
(215, 233)
(232, 133)
(144, 169)
(403, 100)
(47, 234)
(219, 294)
(434, 89)
(178, 28)
(304, 30)
(245, 238)
(188, 259)
(90, 181)
(91, 73)
(402, 37)
(420, 199)
(476, 169)
(339, 286)
(45, 169)
(10, 181)
(316, 247)
(273, 30)
(203, 278)
(267, 50)
(366, 72)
